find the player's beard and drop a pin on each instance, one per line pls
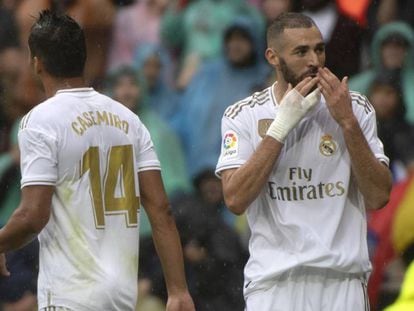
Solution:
(290, 77)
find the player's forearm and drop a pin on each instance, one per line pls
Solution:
(246, 183)
(168, 246)
(18, 231)
(373, 178)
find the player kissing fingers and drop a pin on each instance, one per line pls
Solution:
(336, 94)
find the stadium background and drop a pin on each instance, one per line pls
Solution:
(178, 64)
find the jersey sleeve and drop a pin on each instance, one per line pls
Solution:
(38, 158)
(369, 128)
(236, 145)
(146, 157)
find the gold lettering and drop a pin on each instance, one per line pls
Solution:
(102, 117)
(77, 131)
(111, 119)
(82, 123)
(86, 116)
(91, 114)
(117, 122)
(125, 126)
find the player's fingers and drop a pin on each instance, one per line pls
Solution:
(309, 86)
(345, 81)
(329, 77)
(302, 83)
(325, 86)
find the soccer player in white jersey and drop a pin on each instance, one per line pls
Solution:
(86, 160)
(303, 160)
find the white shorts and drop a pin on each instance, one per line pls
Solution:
(312, 289)
(55, 309)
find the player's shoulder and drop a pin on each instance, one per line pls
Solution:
(248, 104)
(361, 103)
(40, 114)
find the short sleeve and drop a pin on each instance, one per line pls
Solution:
(369, 128)
(146, 157)
(38, 158)
(236, 145)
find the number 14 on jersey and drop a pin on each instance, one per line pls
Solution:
(119, 167)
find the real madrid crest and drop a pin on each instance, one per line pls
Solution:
(327, 145)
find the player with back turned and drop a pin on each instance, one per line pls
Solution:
(86, 163)
(303, 160)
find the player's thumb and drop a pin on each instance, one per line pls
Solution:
(345, 80)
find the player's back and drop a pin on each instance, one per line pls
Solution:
(89, 248)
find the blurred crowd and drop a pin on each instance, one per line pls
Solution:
(178, 64)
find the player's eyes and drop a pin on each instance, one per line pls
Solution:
(301, 52)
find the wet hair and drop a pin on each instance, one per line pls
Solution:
(59, 41)
(287, 20)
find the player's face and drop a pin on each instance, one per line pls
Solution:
(127, 92)
(300, 55)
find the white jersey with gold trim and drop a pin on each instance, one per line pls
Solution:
(90, 148)
(310, 212)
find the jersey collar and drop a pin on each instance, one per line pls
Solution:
(272, 94)
(75, 90)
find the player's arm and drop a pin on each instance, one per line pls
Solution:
(27, 220)
(242, 186)
(372, 176)
(166, 239)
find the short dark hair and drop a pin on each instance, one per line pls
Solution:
(287, 20)
(59, 41)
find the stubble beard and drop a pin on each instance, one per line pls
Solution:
(290, 77)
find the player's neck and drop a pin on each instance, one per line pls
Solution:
(52, 84)
(279, 89)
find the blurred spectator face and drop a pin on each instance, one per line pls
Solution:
(302, 53)
(239, 48)
(126, 91)
(152, 70)
(211, 190)
(393, 54)
(273, 8)
(385, 100)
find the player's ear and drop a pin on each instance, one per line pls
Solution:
(272, 57)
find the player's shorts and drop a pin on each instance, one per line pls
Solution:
(312, 289)
(52, 308)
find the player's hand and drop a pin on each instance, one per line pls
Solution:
(293, 107)
(3, 267)
(338, 99)
(180, 302)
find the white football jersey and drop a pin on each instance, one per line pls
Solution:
(310, 211)
(90, 148)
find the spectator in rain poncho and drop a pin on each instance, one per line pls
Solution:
(154, 66)
(392, 54)
(197, 31)
(218, 84)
